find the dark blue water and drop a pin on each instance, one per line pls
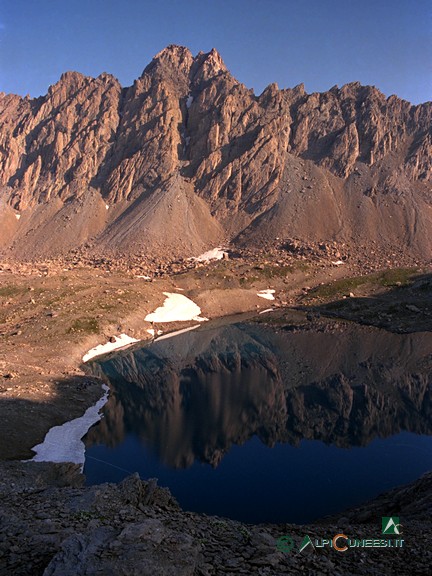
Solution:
(255, 483)
(241, 423)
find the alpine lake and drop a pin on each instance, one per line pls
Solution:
(263, 422)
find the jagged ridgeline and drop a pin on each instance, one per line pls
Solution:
(188, 157)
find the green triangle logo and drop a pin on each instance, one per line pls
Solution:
(391, 525)
(305, 542)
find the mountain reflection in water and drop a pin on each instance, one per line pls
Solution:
(192, 397)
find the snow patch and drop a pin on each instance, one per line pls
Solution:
(189, 101)
(175, 308)
(152, 332)
(267, 294)
(338, 262)
(17, 216)
(120, 342)
(215, 254)
(107, 206)
(144, 277)
(64, 443)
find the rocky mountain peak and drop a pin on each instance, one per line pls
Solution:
(106, 78)
(71, 79)
(172, 57)
(70, 82)
(177, 61)
(208, 65)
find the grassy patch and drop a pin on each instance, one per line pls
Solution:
(280, 271)
(397, 277)
(274, 271)
(11, 290)
(386, 279)
(219, 270)
(269, 271)
(247, 281)
(86, 325)
(339, 287)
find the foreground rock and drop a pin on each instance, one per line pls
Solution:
(137, 528)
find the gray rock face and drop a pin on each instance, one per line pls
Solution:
(141, 549)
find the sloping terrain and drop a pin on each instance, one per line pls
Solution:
(189, 157)
(52, 525)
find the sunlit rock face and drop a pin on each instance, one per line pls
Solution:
(189, 144)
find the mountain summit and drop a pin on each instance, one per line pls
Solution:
(188, 156)
(178, 58)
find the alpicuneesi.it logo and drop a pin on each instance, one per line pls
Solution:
(390, 525)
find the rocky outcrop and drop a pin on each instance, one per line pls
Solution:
(136, 528)
(53, 146)
(280, 160)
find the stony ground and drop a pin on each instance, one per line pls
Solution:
(137, 528)
(52, 312)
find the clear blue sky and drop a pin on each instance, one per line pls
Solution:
(386, 43)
